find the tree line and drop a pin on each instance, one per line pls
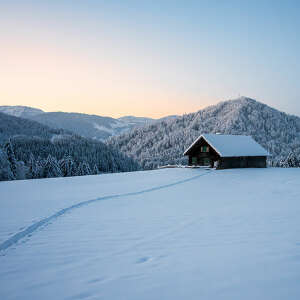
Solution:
(24, 157)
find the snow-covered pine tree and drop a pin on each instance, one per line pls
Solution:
(39, 167)
(95, 170)
(11, 157)
(51, 168)
(86, 168)
(32, 172)
(291, 161)
(83, 169)
(80, 171)
(5, 169)
(21, 170)
(67, 166)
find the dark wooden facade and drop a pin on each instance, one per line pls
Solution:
(200, 158)
(243, 162)
(203, 154)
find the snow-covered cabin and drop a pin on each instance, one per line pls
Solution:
(226, 151)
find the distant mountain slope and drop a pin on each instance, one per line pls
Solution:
(171, 117)
(20, 111)
(43, 152)
(11, 126)
(136, 121)
(90, 126)
(164, 142)
(142, 120)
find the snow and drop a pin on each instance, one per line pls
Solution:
(163, 234)
(20, 111)
(114, 128)
(103, 128)
(134, 121)
(232, 145)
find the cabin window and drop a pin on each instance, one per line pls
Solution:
(204, 149)
(194, 160)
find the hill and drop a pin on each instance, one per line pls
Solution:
(164, 142)
(140, 121)
(150, 235)
(85, 125)
(89, 126)
(20, 111)
(11, 126)
(136, 121)
(29, 149)
(92, 126)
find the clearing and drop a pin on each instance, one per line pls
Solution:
(163, 234)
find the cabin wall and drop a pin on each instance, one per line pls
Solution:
(243, 162)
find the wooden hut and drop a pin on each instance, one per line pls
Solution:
(226, 152)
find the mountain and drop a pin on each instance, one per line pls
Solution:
(171, 117)
(164, 142)
(29, 149)
(11, 126)
(136, 121)
(89, 126)
(133, 121)
(20, 111)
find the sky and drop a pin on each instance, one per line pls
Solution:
(148, 58)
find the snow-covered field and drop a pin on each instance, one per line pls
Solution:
(164, 234)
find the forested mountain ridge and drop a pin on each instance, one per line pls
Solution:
(11, 126)
(89, 126)
(29, 149)
(164, 142)
(92, 126)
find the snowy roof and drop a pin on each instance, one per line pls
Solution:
(231, 145)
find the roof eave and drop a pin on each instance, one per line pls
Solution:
(191, 146)
(196, 141)
(208, 142)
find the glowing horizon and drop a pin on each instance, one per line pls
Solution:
(113, 59)
(116, 115)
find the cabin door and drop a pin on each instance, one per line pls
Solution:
(194, 161)
(206, 161)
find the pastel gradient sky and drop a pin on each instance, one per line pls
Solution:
(148, 58)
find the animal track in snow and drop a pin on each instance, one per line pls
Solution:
(27, 232)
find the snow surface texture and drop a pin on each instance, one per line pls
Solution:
(232, 145)
(164, 234)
